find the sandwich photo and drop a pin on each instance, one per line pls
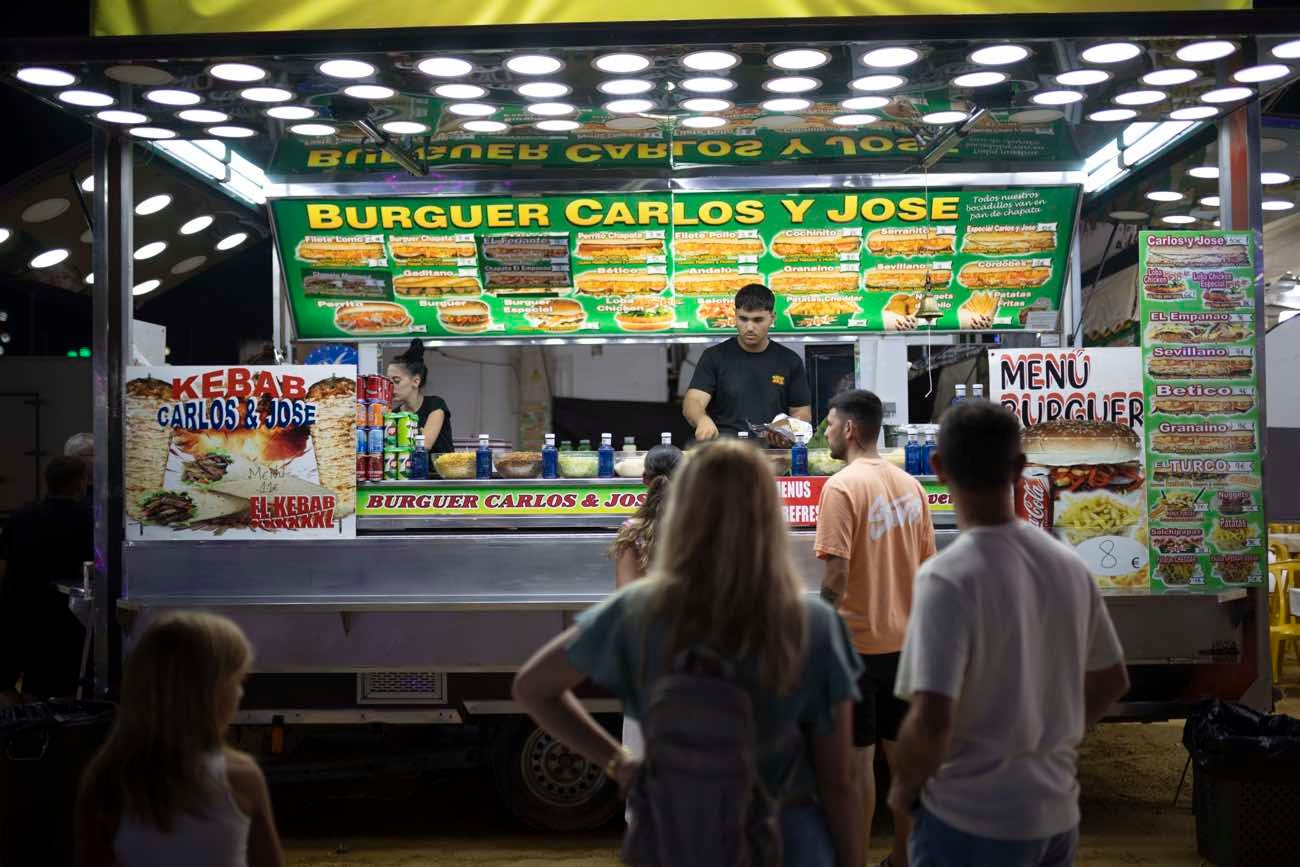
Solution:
(1005, 243)
(1217, 367)
(715, 247)
(1021, 274)
(979, 310)
(619, 249)
(717, 314)
(646, 314)
(435, 285)
(1224, 299)
(1203, 404)
(1198, 332)
(814, 244)
(1225, 256)
(1171, 289)
(704, 283)
(899, 312)
(883, 278)
(526, 281)
(558, 316)
(373, 317)
(525, 248)
(344, 284)
(420, 251)
(1166, 477)
(909, 242)
(808, 281)
(464, 317)
(819, 314)
(341, 251)
(1230, 442)
(603, 283)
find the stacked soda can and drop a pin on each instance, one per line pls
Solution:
(374, 402)
(399, 437)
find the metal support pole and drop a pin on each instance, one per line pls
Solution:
(1073, 324)
(278, 342)
(112, 345)
(1240, 195)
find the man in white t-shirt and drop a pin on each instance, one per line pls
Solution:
(1009, 656)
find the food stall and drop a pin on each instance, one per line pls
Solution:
(606, 186)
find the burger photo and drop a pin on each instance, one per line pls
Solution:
(373, 317)
(558, 316)
(464, 317)
(646, 314)
(1095, 472)
(1172, 289)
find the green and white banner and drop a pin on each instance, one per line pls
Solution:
(1201, 382)
(662, 263)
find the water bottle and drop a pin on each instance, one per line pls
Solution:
(550, 459)
(419, 459)
(959, 396)
(912, 453)
(629, 447)
(930, 446)
(605, 457)
(742, 435)
(978, 391)
(666, 438)
(799, 457)
(483, 458)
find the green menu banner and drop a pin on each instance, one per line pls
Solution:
(662, 263)
(1201, 381)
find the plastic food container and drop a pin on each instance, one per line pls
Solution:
(455, 465)
(897, 457)
(780, 460)
(580, 465)
(520, 465)
(820, 463)
(629, 465)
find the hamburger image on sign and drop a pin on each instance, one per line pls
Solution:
(464, 317)
(558, 316)
(645, 314)
(1086, 455)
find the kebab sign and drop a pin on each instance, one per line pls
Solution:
(240, 452)
(1083, 415)
(612, 265)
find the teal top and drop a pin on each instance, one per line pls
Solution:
(611, 642)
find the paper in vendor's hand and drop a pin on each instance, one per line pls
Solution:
(783, 430)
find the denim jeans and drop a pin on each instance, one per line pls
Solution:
(935, 843)
(806, 838)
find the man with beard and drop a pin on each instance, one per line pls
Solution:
(874, 531)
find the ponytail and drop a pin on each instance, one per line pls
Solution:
(638, 534)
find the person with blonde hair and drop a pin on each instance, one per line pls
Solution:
(721, 588)
(165, 789)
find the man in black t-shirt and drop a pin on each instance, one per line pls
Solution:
(747, 379)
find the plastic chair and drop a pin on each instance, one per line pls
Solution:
(1284, 627)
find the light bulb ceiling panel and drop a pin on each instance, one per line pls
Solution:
(1012, 78)
(59, 179)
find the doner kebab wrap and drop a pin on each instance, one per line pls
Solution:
(147, 443)
(333, 437)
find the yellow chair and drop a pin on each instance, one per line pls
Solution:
(1284, 627)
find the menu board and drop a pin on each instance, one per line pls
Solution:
(1200, 379)
(662, 263)
(1083, 412)
(240, 452)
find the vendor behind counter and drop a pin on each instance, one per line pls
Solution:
(409, 374)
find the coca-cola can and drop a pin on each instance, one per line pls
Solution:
(374, 467)
(372, 387)
(363, 467)
(1034, 497)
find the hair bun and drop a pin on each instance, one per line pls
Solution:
(414, 352)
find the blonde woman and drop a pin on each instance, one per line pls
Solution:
(721, 579)
(165, 790)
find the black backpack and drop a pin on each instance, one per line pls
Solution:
(698, 800)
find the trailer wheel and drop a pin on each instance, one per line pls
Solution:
(547, 786)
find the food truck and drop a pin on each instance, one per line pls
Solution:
(910, 188)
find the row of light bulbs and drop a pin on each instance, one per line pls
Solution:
(709, 61)
(1268, 179)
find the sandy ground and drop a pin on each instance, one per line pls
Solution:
(1128, 774)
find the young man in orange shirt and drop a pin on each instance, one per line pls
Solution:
(874, 531)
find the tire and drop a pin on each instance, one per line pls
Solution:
(548, 787)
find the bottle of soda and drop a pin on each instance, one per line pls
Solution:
(913, 453)
(483, 458)
(550, 458)
(799, 457)
(605, 457)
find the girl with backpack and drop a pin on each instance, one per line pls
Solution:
(164, 789)
(743, 683)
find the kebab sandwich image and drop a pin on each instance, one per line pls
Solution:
(373, 317)
(618, 249)
(1204, 443)
(435, 285)
(704, 283)
(886, 279)
(715, 247)
(525, 248)
(1203, 404)
(1020, 241)
(909, 242)
(620, 283)
(408, 251)
(1221, 256)
(341, 251)
(809, 281)
(344, 284)
(1015, 274)
(1193, 367)
(814, 244)
(1197, 332)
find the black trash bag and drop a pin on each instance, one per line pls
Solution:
(1226, 738)
(44, 748)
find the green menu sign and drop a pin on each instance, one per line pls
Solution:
(1201, 380)
(663, 263)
